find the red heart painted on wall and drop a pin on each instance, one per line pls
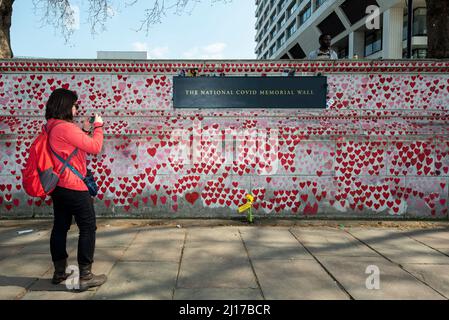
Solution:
(192, 197)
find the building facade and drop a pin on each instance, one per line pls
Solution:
(289, 29)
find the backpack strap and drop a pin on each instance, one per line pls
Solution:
(65, 162)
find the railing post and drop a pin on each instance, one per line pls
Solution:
(409, 29)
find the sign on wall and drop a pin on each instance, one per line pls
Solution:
(250, 92)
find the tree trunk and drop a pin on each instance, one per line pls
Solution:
(438, 28)
(5, 26)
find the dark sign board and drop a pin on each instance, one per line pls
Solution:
(250, 92)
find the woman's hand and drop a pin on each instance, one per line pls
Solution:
(98, 119)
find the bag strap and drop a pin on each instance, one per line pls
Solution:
(65, 162)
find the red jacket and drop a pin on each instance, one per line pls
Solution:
(64, 138)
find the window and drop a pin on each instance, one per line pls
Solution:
(420, 22)
(281, 41)
(305, 14)
(404, 29)
(272, 33)
(291, 29)
(282, 4)
(282, 22)
(319, 3)
(272, 50)
(373, 42)
(420, 54)
(292, 9)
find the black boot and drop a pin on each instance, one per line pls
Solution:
(60, 275)
(88, 279)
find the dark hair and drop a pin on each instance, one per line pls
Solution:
(60, 103)
(324, 35)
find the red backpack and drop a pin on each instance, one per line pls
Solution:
(38, 176)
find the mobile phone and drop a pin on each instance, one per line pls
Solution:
(92, 119)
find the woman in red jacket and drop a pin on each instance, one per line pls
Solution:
(71, 197)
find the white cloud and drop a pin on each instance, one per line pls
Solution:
(155, 53)
(191, 53)
(215, 48)
(140, 46)
(158, 53)
(210, 51)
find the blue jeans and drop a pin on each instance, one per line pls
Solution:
(67, 204)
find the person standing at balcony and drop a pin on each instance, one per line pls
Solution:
(325, 51)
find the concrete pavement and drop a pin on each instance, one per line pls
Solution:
(232, 260)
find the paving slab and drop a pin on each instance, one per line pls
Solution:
(444, 251)
(277, 251)
(213, 234)
(14, 286)
(114, 237)
(152, 235)
(373, 236)
(216, 274)
(394, 282)
(255, 234)
(6, 233)
(140, 280)
(165, 250)
(296, 280)
(7, 251)
(332, 242)
(216, 250)
(402, 249)
(217, 294)
(10, 236)
(42, 246)
(436, 276)
(109, 254)
(25, 265)
(438, 239)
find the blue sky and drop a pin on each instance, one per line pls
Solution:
(210, 31)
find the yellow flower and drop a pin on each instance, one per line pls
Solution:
(250, 197)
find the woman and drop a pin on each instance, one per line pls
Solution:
(71, 196)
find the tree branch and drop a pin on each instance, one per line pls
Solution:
(60, 14)
(57, 13)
